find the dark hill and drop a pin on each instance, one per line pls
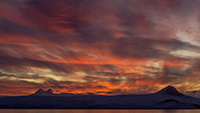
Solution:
(169, 90)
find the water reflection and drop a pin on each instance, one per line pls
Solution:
(93, 111)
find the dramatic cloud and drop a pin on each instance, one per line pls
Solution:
(99, 47)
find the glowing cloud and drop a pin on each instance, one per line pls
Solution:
(101, 47)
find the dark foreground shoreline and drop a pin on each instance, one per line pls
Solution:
(150, 101)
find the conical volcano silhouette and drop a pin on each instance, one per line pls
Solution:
(169, 90)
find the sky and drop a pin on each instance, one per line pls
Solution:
(105, 47)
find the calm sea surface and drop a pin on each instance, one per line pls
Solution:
(94, 111)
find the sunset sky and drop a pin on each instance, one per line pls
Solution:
(99, 46)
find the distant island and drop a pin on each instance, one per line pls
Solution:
(167, 98)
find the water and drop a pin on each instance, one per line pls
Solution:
(93, 111)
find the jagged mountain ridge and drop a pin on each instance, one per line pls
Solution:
(41, 92)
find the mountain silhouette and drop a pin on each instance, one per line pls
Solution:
(169, 90)
(41, 92)
(166, 98)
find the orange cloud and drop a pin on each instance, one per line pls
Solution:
(101, 47)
